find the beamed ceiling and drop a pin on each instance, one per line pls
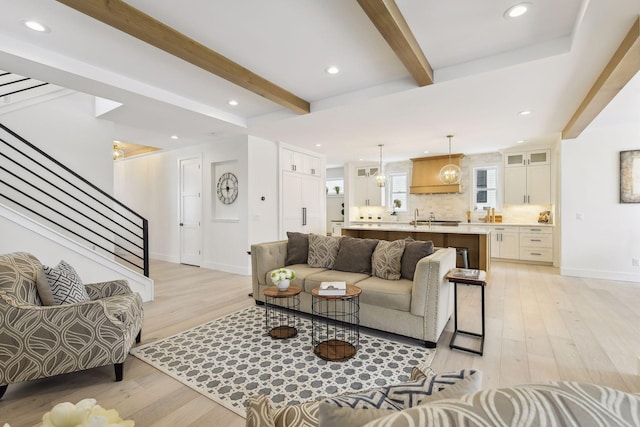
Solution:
(410, 72)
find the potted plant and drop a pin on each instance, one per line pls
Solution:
(282, 278)
(337, 188)
(397, 203)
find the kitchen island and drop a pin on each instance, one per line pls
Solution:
(476, 239)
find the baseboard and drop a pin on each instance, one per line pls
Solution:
(227, 268)
(598, 274)
(166, 258)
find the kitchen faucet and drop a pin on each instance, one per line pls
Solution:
(415, 217)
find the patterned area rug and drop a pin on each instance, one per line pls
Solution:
(233, 358)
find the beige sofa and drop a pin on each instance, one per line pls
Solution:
(418, 308)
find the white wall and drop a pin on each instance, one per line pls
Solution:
(149, 184)
(602, 244)
(66, 129)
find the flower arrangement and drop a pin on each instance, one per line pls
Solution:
(281, 274)
(85, 413)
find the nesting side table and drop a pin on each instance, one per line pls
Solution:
(281, 311)
(335, 332)
(471, 277)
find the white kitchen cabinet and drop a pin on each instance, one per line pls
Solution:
(301, 203)
(367, 192)
(505, 242)
(536, 244)
(294, 161)
(527, 177)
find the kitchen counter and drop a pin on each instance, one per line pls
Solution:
(476, 239)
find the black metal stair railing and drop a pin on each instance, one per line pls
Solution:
(41, 187)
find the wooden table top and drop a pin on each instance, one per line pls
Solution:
(467, 275)
(274, 292)
(352, 291)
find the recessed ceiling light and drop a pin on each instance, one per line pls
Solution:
(520, 141)
(332, 70)
(318, 145)
(525, 112)
(174, 136)
(233, 102)
(426, 151)
(517, 10)
(36, 26)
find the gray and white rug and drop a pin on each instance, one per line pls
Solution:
(233, 358)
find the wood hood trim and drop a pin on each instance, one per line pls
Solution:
(424, 176)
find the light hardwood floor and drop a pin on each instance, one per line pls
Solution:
(540, 327)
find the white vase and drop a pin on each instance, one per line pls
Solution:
(283, 285)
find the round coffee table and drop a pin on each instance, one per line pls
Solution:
(280, 314)
(335, 332)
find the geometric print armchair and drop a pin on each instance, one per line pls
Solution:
(39, 341)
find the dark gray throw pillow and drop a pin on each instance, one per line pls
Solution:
(297, 248)
(354, 255)
(414, 251)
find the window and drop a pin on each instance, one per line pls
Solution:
(335, 186)
(397, 194)
(485, 188)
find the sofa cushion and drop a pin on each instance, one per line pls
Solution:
(302, 272)
(303, 415)
(313, 280)
(370, 399)
(395, 295)
(433, 386)
(386, 259)
(259, 413)
(323, 250)
(414, 251)
(44, 290)
(297, 248)
(335, 416)
(65, 283)
(551, 404)
(355, 254)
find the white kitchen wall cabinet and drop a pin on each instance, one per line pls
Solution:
(527, 177)
(301, 210)
(367, 192)
(505, 242)
(295, 161)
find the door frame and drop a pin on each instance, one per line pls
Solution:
(197, 157)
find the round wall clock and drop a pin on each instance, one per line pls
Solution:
(227, 188)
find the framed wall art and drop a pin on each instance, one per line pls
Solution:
(630, 176)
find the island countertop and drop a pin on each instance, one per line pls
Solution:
(476, 240)
(447, 229)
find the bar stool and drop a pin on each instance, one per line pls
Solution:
(464, 253)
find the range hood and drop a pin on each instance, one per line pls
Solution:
(424, 177)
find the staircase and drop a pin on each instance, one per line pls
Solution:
(46, 208)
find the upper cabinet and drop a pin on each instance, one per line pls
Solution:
(367, 192)
(527, 177)
(294, 161)
(425, 175)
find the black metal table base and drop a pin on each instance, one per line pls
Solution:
(457, 331)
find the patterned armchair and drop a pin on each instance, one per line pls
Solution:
(39, 341)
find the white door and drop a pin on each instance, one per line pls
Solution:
(190, 211)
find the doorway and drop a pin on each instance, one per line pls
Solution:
(190, 210)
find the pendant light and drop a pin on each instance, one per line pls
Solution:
(450, 173)
(381, 179)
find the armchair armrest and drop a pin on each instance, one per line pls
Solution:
(107, 289)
